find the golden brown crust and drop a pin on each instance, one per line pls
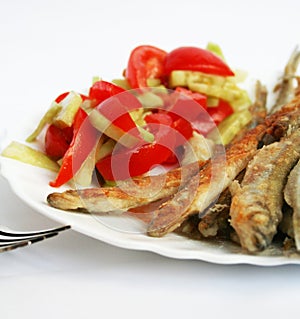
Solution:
(216, 177)
(129, 194)
(256, 207)
(205, 187)
(292, 197)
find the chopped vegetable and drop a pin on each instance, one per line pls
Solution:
(145, 62)
(102, 90)
(150, 100)
(70, 105)
(213, 86)
(84, 139)
(182, 128)
(124, 163)
(83, 176)
(113, 120)
(196, 96)
(125, 127)
(57, 141)
(230, 127)
(215, 48)
(46, 119)
(104, 149)
(26, 154)
(196, 59)
(220, 112)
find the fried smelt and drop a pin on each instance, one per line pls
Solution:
(287, 88)
(129, 194)
(215, 220)
(292, 197)
(256, 207)
(286, 224)
(259, 108)
(214, 178)
(206, 186)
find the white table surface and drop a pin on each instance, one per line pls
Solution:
(48, 47)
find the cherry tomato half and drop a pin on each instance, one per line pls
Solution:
(145, 62)
(196, 59)
(57, 141)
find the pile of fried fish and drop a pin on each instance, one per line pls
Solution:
(248, 193)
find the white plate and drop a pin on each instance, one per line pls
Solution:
(31, 185)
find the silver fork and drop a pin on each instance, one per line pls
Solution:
(10, 240)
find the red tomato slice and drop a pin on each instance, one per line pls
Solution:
(117, 114)
(126, 163)
(196, 59)
(57, 141)
(185, 107)
(185, 130)
(196, 96)
(102, 90)
(85, 137)
(112, 118)
(182, 128)
(145, 62)
(159, 118)
(219, 113)
(215, 115)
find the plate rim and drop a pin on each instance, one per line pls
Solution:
(149, 244)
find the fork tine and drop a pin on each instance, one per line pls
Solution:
(37, 233)
(7, 240)
(25, 242)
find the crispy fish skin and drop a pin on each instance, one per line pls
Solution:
(215, 220)
(203, 189)
(259, 108)
(189, 201)
(95, 200)
(92, 200)
(286, 87)
(292, 197)
(129, 194)
(256, 207)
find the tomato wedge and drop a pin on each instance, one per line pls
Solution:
(102, 90)
(196, 96)
(215, 115)
(145, 62)
(219, 113)
(112, 116)
(185, 107)
(84, 139)
(196, 59)
(126, 163)
(57, 141)
(182, 128)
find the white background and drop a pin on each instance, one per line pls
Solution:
(48, 47)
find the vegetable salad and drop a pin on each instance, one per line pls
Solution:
(125, 127)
